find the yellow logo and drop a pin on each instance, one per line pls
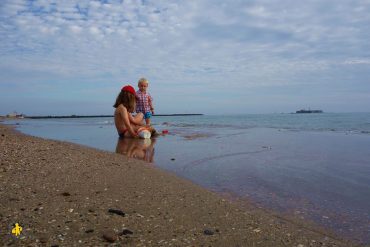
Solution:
(16, 231)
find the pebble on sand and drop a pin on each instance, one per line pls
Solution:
(208, 232)
(110, 236)
(116, 211)
(126, 232)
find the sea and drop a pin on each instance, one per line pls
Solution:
(312, 167)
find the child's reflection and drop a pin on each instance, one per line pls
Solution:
(136, 148)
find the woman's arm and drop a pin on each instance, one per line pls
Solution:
(138, 119)
(126, 120)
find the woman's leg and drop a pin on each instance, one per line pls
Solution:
(135, 128)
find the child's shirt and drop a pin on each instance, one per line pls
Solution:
(143, 102)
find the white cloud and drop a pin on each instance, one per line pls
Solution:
(75, 29)
(10, 9)
(258, 11)
(94, 30)
(191, 43)
(358, 61)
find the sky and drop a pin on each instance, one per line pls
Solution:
(200, 56)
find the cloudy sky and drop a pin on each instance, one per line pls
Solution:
(200, 56)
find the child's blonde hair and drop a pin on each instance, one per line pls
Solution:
(142, 80)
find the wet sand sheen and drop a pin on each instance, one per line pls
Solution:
(61, 194)
(321, 176)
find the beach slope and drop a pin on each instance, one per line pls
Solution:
(63, 194)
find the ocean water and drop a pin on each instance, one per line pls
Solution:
(306, 166)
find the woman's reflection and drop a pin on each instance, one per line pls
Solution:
(136, 148)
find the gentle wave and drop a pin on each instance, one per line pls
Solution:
(349, 123)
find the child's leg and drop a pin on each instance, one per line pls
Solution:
(147, 117)
(152, 130)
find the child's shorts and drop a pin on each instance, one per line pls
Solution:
(147, 115)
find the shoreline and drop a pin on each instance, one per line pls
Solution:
(94, 116)
(61, 193)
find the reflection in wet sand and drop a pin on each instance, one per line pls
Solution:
(142, 149)
(196, 136)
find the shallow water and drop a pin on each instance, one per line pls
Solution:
(320, 173)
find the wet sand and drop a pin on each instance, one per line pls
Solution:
(61, 194)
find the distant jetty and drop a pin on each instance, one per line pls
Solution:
(96, 116)
(309, 111)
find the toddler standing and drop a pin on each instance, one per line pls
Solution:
(144, 102)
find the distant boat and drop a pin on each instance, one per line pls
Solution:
(309, 111)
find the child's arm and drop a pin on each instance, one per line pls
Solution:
(151, 104)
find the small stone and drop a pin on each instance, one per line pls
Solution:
(126, 232)
(208, 232)
(116, 211)
(110, 236)
(43, 239)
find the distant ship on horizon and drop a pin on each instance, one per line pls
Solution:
(309, 111)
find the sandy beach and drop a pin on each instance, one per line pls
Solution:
(64, 194)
